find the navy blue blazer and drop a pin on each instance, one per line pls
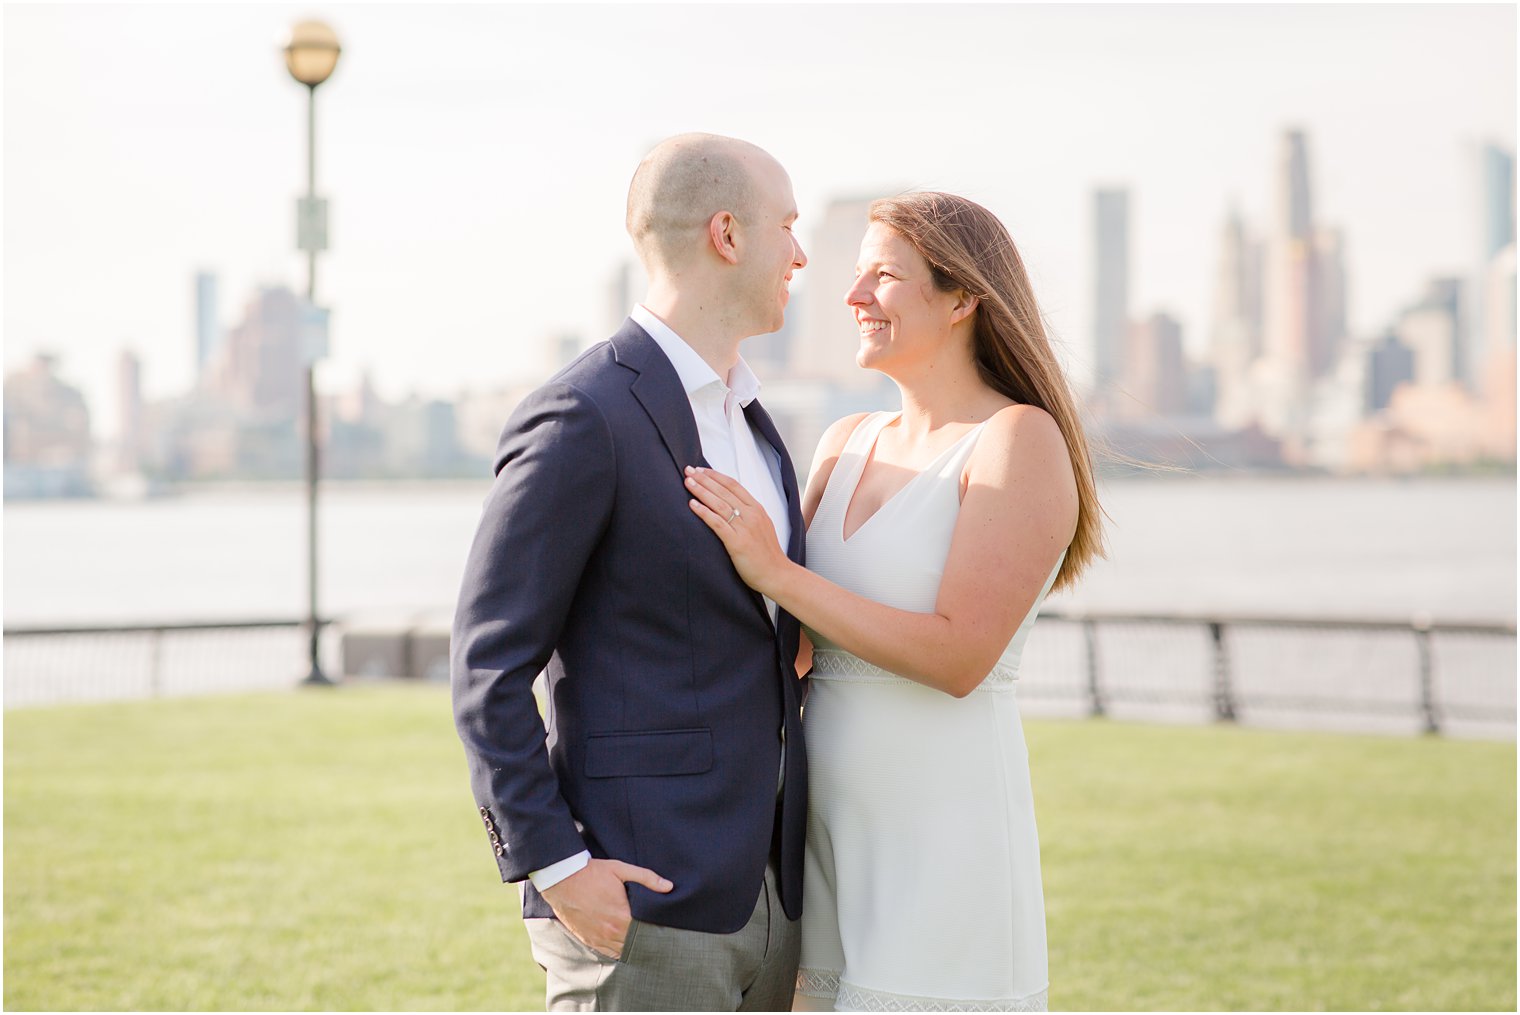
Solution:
(670, 689)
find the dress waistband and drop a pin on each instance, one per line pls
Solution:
(836, 664)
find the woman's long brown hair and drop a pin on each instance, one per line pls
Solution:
(968, 248)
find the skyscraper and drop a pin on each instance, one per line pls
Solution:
(1327, 330)
(1491, 308)
(1289, 310)
(1498, 229)
(1110, 285)
(207, 333)
(1235, 333)
(1295, 208)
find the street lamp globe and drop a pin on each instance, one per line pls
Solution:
(312, 52)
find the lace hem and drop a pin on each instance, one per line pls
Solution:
(825, 983)
(853, 998)
(817, 982)
(835, 664)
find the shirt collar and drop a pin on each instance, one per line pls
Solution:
(692, 369)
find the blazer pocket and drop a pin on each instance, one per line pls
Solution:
(654, 752)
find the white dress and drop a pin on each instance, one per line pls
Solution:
(922, 879)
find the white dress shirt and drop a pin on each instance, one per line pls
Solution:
(730, 446)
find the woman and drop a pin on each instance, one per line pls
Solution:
(934, 534)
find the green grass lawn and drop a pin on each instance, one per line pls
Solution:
(321, 850)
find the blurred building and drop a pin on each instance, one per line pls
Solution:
(1431, 330)
(129, 413)
(480, 417)
(1235, 334)
(208, 331)
(1304, 305)
(1497, 395)
(421, 439)
(1425, 414)
(260, 369)
(1110, 286)
(369, 438)
(1499, 305)
(1155, 379)
(47, 433)
(1390, 363)
(1281, 378)
(1288, 311)
(1425, 426)
(625, 288)
(1495, 219)
(1498, 226)
(1327, 333)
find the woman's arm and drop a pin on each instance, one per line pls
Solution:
(1018, 514)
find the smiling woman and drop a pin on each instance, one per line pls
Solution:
(934, 534)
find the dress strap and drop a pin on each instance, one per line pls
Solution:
(864, 435)
(852, 462)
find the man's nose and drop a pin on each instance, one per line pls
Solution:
(799, 259)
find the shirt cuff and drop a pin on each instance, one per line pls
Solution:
(553, 874)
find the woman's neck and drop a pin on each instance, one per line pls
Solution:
(944, 391)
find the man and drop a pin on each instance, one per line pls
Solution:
(660, 820)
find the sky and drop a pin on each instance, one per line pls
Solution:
(477, 157)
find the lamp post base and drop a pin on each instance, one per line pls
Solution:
(316, 678)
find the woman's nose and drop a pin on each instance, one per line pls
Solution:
(859, 294)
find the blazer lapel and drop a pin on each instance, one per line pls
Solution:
(658, 389)
(761, 420)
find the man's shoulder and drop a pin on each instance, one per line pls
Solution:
(593, 376)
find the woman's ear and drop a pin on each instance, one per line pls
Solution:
(965, 305)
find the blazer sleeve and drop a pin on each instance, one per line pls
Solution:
(546, 512)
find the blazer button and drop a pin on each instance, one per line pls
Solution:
(499, 850)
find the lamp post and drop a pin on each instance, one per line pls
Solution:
(310, 56)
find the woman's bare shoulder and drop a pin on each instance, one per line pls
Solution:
(1024, 439)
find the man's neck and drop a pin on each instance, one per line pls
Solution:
(701, 323)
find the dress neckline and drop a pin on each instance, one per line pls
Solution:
(866, 460)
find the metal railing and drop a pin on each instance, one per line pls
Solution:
(54, 664)
(1300, 673)
(1345, 673)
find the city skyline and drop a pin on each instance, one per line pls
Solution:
(439, 280)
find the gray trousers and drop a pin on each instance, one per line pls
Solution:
(668, 969)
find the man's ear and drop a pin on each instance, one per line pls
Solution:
(720, 230)
(965, 304)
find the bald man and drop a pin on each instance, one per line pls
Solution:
(657, 824)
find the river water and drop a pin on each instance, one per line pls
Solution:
(1304, 547)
